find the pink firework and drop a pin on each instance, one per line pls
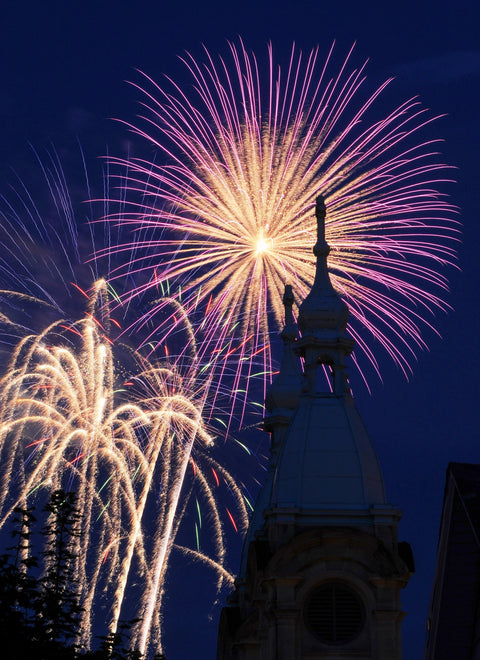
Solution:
(227, 205)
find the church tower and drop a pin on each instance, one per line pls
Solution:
(322, 568)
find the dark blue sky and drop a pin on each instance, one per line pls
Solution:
(63, 70)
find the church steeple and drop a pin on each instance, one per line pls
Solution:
(323, 312)
(327, 466)
(321, 569)
(285, 389)
(283, 394)
(322, 319)
(281, 400)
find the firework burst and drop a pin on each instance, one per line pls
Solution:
(81, 410)
(243, 154)
(126, 451)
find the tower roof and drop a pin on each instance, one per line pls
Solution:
(327, 460)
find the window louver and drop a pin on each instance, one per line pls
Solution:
(334, 614)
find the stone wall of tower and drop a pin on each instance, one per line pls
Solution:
(270, 618)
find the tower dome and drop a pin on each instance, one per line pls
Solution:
(327, 470)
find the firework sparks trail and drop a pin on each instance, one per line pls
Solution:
(245, 153)
(80, 409)
(62, 423)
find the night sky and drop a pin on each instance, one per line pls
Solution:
(64, 67)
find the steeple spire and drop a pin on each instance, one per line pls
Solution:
(323, 311)
(282, 395)
(289, 331)
(322, 319)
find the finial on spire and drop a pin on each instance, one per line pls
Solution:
(320, 208)
(321, 247)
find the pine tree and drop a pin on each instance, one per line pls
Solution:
(58, 608)
(39, 597)
(18, 590)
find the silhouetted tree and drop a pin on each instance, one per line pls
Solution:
(40, 609)
(57, 606)
(113, 645)
(18, 590)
